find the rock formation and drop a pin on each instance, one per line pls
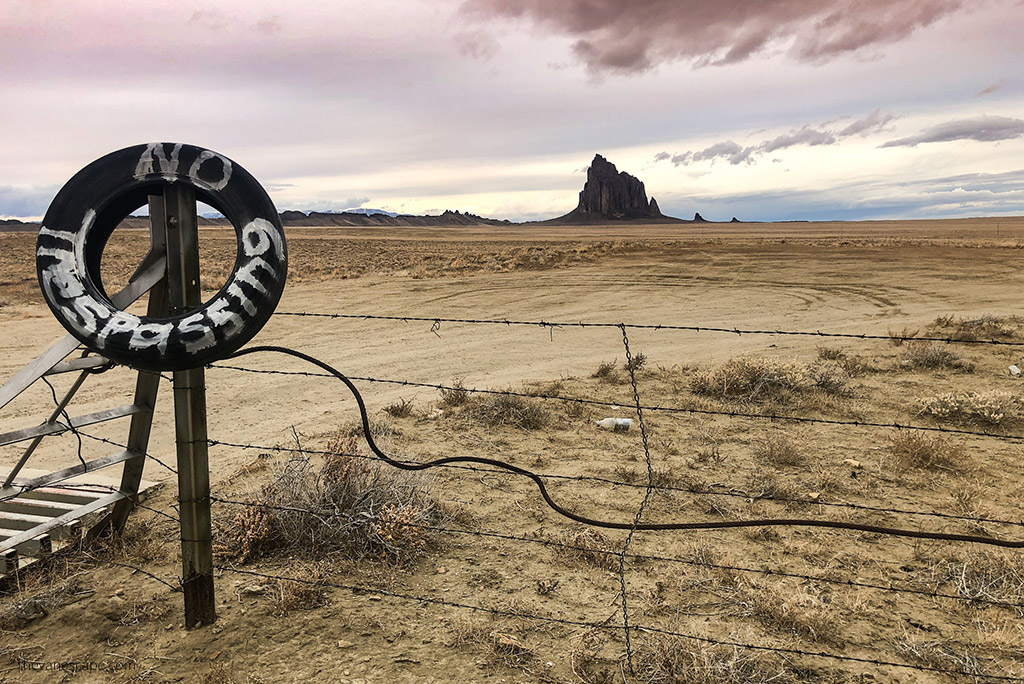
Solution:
(612, 195)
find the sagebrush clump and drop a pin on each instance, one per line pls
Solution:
(350, 507)
(496, 410)
(929, 356)
(759, 379)
(913, 450)
(980, 408)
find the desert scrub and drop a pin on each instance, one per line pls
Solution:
(779, 449)
(759, 379)
(350, 507)
(929, 356)
(985, 327)
(852, 364)
(495, 410)
(456, 395)
(797, 612)
(979, 408)
(985, 576)
(399, 409)
(661, 659)
(584, 546)
(914, 450)
(606, 371)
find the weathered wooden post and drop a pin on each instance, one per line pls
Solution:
(184, 295)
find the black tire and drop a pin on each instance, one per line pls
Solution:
(91, 205)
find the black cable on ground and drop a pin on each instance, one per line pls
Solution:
(708, 525)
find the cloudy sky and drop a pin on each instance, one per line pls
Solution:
(803, 109)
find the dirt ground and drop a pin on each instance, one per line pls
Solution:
(796, 588)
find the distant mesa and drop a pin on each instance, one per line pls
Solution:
(613, 195)
(380, 218)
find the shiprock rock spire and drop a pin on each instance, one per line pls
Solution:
(610, 194)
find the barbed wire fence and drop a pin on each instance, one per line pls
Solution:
(626, 628)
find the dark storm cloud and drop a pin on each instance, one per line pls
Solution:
(615, 36)
(809, 136)
(981, 129)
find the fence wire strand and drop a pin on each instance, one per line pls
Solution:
(437, 321)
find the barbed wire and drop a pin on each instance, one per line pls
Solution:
(771, 417)
(619, 483)
(551, 503)
(606, 627)
(436, 322)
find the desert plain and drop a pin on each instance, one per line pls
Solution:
(388, 593)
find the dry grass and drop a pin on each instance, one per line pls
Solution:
(795, 612)
(760, 379)
(454, 396)
(399, 409)
(985, 327)
(991, 408)
(779, 449)
(985, 575)
(497, 410)
(588, 547)
(852, 364)
(675, 660)
(915, 450)
(305, 591)
(930, 356)
(350, 507)
(943, 654)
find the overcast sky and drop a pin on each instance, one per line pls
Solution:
(803, 109)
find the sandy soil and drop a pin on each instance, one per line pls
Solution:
(872, 278)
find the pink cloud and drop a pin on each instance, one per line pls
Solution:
(635, 36)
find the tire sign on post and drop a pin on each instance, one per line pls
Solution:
(71, 241)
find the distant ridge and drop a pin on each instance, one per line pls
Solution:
(347, 218)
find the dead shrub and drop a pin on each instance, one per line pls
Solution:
(980, 408)
(985, 575)
(777, 448)
(914, 450)
(852, 364)
(758, 379)
(496, 410)
(585, 546)
(456, 395)
(665, 659)
(350, 507)
(985, 327)
(305, 591)
(399, 409)
(797, 612)
(897, 338)
(636, 363)
(929, 356)
(606, 371)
